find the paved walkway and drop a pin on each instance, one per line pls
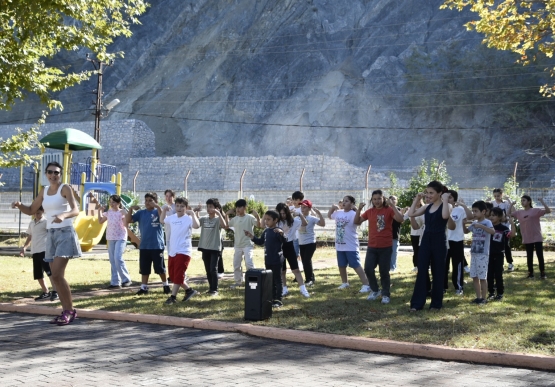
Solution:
(102, 353)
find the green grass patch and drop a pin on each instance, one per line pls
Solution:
(522, 322)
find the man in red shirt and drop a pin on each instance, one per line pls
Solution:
(380, 242)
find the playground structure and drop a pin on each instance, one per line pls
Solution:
(87, 227)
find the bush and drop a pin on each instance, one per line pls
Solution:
(252, 205)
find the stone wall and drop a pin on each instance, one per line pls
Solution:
(121, 140)
(262, 173)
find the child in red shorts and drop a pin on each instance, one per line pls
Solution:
(179, 227)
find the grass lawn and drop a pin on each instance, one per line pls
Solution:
(523, 322)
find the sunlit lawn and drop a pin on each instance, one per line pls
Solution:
(522, 322)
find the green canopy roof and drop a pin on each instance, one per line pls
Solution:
(76, 139)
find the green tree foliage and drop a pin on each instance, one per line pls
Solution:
(14, 151)
(426, 172)
(252, 205)
(34, 31)
(521, 26)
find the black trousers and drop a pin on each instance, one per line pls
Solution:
(530, 256)
(221, 263)
(508, 252)
(307, 251)
(455, 255)
(277, 284)
(211, 258)
(415, 242)
(495, 272)
(433, 251)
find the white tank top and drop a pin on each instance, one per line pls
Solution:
(54, 205)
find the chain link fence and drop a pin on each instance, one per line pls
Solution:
(9, 218)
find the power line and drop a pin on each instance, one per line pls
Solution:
(316, 127)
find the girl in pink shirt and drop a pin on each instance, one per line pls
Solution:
(116, 235)
(531, 231)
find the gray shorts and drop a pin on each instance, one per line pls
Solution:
(479, 266)
(62, 242)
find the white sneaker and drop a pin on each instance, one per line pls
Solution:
(365, 289)
(220, 275)
(304, 292)
(285, 291)
(415, 269)
(385, 300)
(511, 267)
(374, 295)
(466, 269)
(458, 292)
(344, 286)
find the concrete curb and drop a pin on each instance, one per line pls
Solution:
(521, 360)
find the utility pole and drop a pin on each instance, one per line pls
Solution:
(99, 67)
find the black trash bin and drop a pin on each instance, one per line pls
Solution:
(258, 294)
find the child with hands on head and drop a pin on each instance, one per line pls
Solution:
(179, 229)
(346, 242)
(481, 230)
(380, 242)
(272, 239)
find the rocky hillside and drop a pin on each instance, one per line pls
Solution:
(381, 82)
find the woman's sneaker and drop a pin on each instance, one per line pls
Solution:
(43, 297)
(511, 267)
(343, 286)
(304, 292)
(385, 300)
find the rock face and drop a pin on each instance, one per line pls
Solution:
(382, 82)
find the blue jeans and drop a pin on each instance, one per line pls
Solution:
(120, 274)
(394, 249)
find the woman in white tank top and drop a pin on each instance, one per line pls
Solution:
(62, 242)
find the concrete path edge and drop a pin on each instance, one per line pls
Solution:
(429, 351)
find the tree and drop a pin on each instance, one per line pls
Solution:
(34, 31)
(521, 26)
(14, 150)
(426, 172)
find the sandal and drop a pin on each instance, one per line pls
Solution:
(57, 319)
(73, 315)
(67, 317)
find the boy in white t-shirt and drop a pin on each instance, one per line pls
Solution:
(455, 238)
(481, 229)
(242, 244)
(179, 227)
